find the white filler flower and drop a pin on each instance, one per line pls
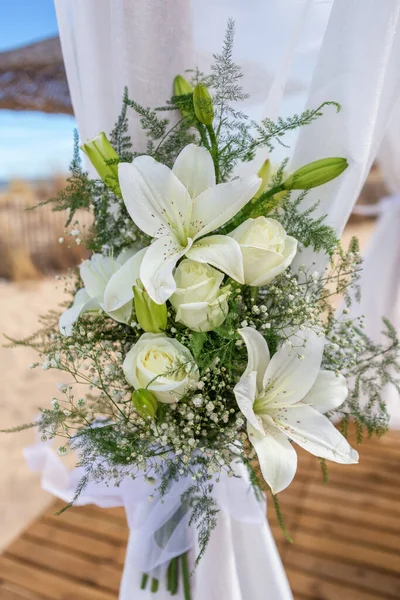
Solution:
(95, 274)
(285, 397)
(162, 365)
(179, 207)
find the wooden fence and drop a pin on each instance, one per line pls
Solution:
(29, 239)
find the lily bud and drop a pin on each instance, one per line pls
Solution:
(182, 86)
(144, 403)
(203, 104)
(265, 175)
(99, 151)
(152, 317)
(315, 173)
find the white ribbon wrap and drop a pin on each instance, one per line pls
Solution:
(241, 561)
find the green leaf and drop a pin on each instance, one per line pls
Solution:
(197, 340)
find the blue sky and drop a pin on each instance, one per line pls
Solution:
(32, 144)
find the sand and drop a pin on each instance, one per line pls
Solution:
(23, 390)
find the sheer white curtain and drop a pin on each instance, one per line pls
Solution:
(294, 53)
(357, 66)
(110, 44)
(380, 280)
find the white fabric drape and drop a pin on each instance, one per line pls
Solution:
(380, 279)
(241, 561)
(358, 66)
(294, 53)
(110, 44)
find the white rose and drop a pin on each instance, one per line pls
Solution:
(199, 302)
(96, 274)
(266, 249)
(162, 365)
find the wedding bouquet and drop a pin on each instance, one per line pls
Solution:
(208, 350)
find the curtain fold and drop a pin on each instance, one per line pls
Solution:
(358, 66)
(380, 278)
(110, 44)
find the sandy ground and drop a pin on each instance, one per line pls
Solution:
(23, 390)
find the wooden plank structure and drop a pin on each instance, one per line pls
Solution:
(346, 538)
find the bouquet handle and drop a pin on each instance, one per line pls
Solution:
(241, 562)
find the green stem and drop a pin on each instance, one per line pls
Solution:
(203, 135)
(214, 150)
(273, 191)
(254, 293)
(154, 585)
(172, 576)
(186, 578)
(145, 579)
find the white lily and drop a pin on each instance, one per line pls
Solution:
(178, 207)
(284, 398)
(96, 274)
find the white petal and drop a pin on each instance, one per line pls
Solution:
(314, 432)
(157, 267)
(154, 197)
(276, 455)
(214, 207)
(126, 254)
(258, 263)
(96, 272)
(289, 378)
(328, 392)
(195, 168)
(82, 303)
(122, 314)
(245, 393)
(119, 289)
(203, 316)
(221, 252)
(257, 352)
(269, 274)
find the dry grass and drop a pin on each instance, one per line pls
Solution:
(29, 246)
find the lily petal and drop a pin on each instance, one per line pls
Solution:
(294, 368)
(216, 205)
(119, 289)
(314, 432)
(157, 267)
(328, 392)
(194, 167)
(96, 272)
(219, 251)
(154, 197)
(122, 314)
(126, 254)
(276, 456)
(245, 393)
(257, 352)
(82, 303)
